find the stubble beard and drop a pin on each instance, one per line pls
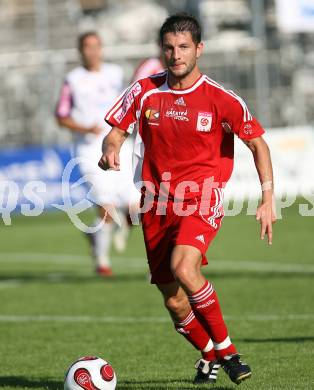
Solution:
(185, 73)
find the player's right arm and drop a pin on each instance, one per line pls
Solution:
(63, 113)
(72, 125)
(111, 148)
(122, 117)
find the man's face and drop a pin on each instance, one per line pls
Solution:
(91, 51)
(180, 53)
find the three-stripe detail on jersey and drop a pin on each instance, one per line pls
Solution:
(247, 115)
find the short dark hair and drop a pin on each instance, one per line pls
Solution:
(181, 22)
(83, 36)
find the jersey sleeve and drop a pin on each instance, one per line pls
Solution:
(239, 118)
(123, 113)
(65, 102)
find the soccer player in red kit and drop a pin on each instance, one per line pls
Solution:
(185, 124)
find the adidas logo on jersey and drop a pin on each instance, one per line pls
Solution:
(180, 102)
(200, 238)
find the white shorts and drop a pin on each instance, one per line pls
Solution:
(108, 187)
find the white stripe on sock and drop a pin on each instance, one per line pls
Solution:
(203, 297)
(187, 320)
(208, 285)
(223, 345)
(209, 346)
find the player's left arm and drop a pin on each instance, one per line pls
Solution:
(266, 211)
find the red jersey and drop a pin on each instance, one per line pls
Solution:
(186, 132)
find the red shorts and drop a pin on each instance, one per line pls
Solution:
(163, 232)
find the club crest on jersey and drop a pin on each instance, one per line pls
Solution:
(152, 115)
(204, 121)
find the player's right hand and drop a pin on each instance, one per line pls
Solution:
(109, 160)
(95, 129)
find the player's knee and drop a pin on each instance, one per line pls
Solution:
(104, 213)
(176, 304)
(183, 271)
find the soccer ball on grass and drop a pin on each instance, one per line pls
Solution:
(90, 373)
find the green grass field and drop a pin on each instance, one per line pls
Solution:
(54, 309)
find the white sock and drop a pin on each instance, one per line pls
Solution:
(120, 233)
(103, 238)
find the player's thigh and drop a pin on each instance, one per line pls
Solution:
(106, 212)
(187, 257)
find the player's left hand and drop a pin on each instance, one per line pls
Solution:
(266, 214)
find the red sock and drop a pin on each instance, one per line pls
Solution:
(194, 332)
(207, 309)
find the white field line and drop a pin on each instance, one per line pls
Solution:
(10, 283)
(136, 320)
(138, 262)
(41, 257)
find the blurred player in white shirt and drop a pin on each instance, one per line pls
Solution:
(87, 93)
